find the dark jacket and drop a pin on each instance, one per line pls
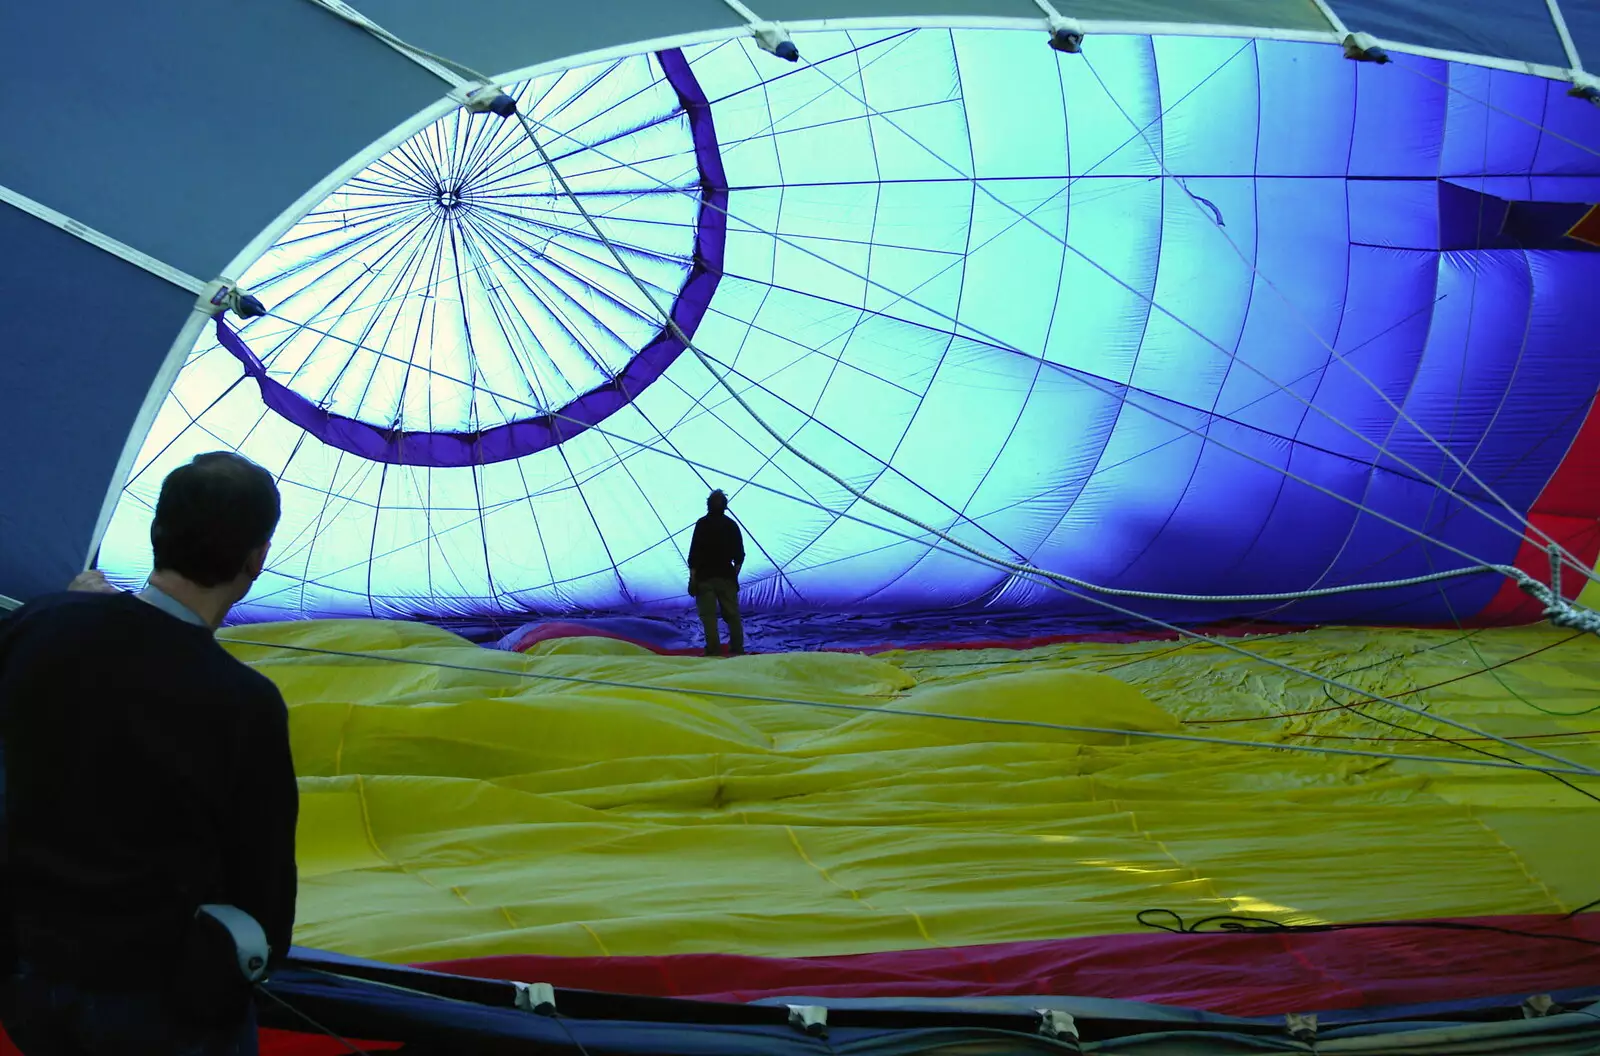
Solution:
(717, 548)
(146, 772)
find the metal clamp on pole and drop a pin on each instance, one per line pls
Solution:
(539, 998)
(811, 1019)
(226, 295)
(1364, 47)
(1056, 1024)
(770, 35)
(1066, 34)
(489, 99)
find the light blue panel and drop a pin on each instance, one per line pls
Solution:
(1398, 214)
(1108, 274)
(1201, 77)
(1014, 266)
(900, 71)
(1113, 109)
(1308, 109)
(1202, 291)
(1296, 306)
(1141, 474)
(927, 143)
(1023, 497)
(1009, 140)
(982, 396)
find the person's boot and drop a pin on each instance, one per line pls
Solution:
(714, 650)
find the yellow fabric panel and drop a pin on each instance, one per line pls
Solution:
(457, 813)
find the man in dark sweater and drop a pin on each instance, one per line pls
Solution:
(147, 772)
(716, 553)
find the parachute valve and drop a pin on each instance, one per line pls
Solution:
(1066, 34)
(1054, 1023)
(226, 295)
(1363, 47)
(812, 1019)
(538, 998)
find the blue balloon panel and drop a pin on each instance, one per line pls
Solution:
(1188, 314)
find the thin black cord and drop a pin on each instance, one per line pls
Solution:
(1232, 924)
(562, 1021)
(318, 1026)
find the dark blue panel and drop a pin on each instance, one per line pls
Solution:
(1583, 22)
(1505, 29)
(1308, 105)
(199, 123)
(497, 36)
(1400, 120)
(84, 335)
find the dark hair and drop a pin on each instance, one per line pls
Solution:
(212, 513)
(716, 502)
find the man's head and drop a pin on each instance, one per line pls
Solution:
(716, 502)
(214, 522)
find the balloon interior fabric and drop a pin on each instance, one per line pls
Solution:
(1318, 321)
(1143, 452)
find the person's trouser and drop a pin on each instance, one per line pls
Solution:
(46, 1018)
(710, 595)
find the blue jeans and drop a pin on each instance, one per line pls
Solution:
(47, 1018)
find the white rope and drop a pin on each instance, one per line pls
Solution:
(770, 35)
(1560, 21)
(1160, 160)
(705, 361)
(102, 241)
(872, 709)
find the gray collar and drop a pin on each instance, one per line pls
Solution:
(170, 605)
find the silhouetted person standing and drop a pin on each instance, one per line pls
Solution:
(716, 554)
(146, 773)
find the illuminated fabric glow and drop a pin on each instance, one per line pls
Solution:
(1073, 310)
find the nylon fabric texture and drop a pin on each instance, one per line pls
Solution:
(452, 813)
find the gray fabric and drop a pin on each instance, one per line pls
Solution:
(184, 128)
(1504, 29)
(81, 336)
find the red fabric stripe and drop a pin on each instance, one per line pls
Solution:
(1587, 229)
(1239, 974)
(1568, 510)
(1265, 973)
